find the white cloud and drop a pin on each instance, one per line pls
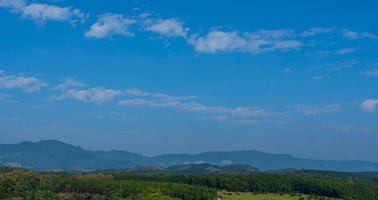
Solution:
(12, 4)
(256, 42)
(350, 34)
(27, 84)
(356, 129)
(69, 83)
(96, 95)
(167, 27)
(213, 42)
(108, 25)
(369, 105)
(139, 98)
(353, 35)
(158, 100)
(134, 92)
(272, 34)
(346, 51)
(316, 31)
(239, 112)
(218, 41)
(310, 110)
(373, 72)
(319, 53)
(346, 128)
(272, 40)
(288, 70)
(320, 77)
(341, 65)
(4, 96)
(323, 53)
(41, 13)
(70, 89)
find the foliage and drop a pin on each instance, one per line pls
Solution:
(268, 196)
(371, 177)
(29, 185)
(269, 183)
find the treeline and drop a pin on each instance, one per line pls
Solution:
(28, 185)
(269, 183)
(371, 177)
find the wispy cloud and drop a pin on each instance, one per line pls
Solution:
(357, 129)
(41, 13)
(12, 4)
(255, 42)
(108, 25)
(186, 103)
(218, 41)
(353, 35)
(319, 53)
(166, 27)
(97, 95)
(69, 83)
(25, 83)
(371, 73)
(344, 51)
(345, 128)
(316, 31)
(340, 52)
(340, 65)
(215, 41)
(134, 92)
(369, 105)
(142, 99)
(328, 70)
(320, 77)
(4, 97)
(311, 110)
(239, 112)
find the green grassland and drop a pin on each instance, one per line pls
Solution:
(251, 196)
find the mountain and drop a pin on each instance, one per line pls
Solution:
(55, 155)
(264, 161)
(209, 168)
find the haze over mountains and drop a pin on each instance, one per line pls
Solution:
(56, 155)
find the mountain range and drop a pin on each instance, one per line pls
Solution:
(55, 155)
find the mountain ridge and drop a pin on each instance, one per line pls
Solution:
(48, 155)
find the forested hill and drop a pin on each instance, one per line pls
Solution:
(56, 155)
(371, 177)
(28, 185)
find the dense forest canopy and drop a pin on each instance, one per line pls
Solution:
(29, 185)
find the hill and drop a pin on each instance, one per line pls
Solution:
(370, 177)
(204, 168)
(264, 161)
(56, 155)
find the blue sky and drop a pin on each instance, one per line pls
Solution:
(191, 76)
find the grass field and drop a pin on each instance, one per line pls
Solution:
(250, 196)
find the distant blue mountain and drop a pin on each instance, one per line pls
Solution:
(209, 168)
(56, 155)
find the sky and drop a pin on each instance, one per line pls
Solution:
(157, 77)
